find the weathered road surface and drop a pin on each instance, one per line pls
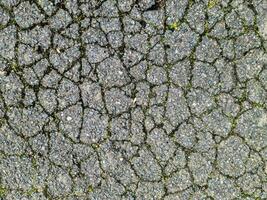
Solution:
(133, 99)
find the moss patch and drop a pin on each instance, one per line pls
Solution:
(174, 26)
(212, 3)
(3, 191)
(90, 188)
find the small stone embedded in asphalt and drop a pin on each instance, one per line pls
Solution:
(133, 99)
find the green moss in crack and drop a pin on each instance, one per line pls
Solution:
(14, 66)
(212, 3)
(174, 26)
(95, 146)
(191, 2)
(90, 189)
(3, 191)
(206, 28)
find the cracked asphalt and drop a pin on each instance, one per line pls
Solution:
(133, 99)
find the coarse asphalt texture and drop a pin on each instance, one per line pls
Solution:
(133, 99)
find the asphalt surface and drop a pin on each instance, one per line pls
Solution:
(133, 99)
